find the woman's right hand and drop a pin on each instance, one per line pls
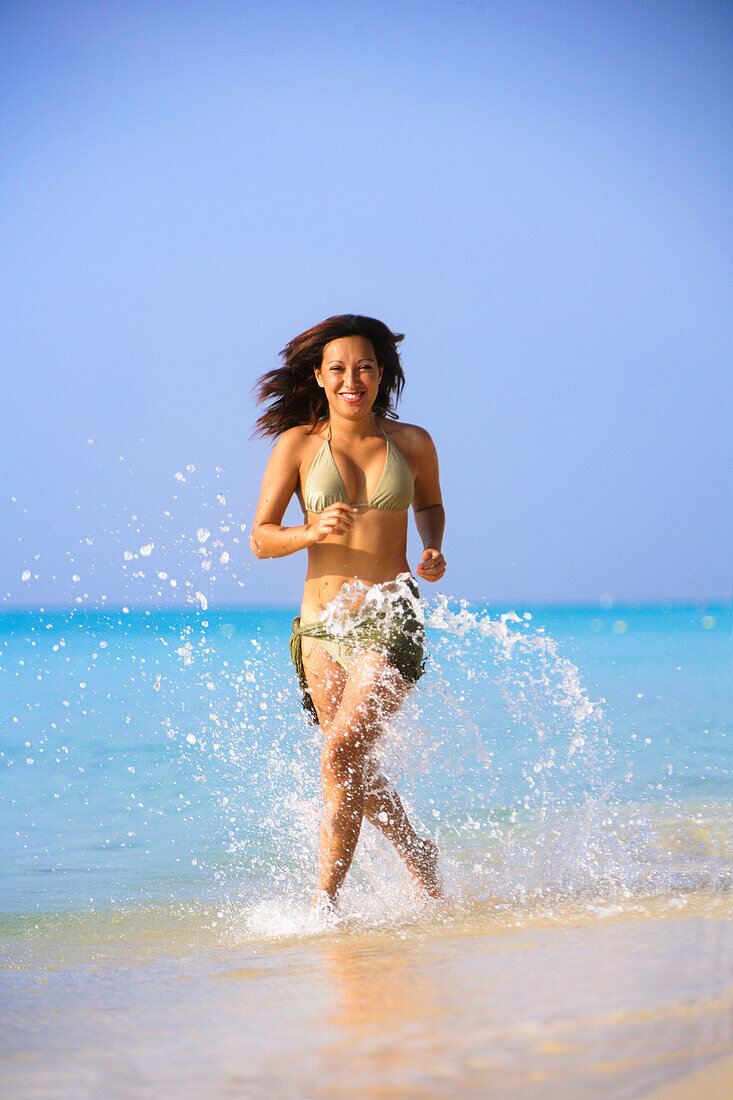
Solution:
(337, 519)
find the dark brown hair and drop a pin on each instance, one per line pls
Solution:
(292, 395)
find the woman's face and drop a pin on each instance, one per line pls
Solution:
(350, 375)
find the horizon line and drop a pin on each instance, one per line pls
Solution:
(699, 603)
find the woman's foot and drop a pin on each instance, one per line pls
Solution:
(422, 863)
(323, 907)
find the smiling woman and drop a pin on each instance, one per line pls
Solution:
(358, 643)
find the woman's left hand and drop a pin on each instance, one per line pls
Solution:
(432, 565)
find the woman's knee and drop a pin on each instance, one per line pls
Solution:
(343, 753)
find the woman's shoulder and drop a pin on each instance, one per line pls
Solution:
(295, 446)
(409, 437)
(300, 436)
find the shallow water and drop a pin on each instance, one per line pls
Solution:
(159, 810)
(605, 1007)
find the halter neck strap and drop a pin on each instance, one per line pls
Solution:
(328, 436)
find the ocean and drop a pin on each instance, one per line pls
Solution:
(159, 812)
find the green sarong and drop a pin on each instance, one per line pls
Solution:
(399, 636)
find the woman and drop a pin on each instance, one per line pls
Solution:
(357, 647)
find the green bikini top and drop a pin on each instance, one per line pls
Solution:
(324, 484)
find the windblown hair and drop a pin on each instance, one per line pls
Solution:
(291, 394)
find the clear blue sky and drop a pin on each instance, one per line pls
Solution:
(537, 194)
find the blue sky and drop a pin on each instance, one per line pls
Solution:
(537, 194)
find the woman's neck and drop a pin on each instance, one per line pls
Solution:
(352, 430)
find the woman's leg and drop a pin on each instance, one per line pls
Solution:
(352, 711)
(383, 808)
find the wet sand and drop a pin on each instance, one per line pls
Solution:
(713, 1082)
(618, 1005)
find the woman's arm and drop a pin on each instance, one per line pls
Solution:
(269, 539)
(429, 512)
(430, 523)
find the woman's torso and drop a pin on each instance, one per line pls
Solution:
(370, 473)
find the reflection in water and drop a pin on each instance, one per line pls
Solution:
(379, 989)
(524, 1013)
(385, 1005)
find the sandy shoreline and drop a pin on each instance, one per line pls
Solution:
(713, 1081)
(605, 1008)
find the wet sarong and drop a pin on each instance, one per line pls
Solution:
(396, 633)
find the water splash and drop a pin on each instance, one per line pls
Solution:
(500, 754)
(175, 761)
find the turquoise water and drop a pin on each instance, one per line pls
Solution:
(566, 754)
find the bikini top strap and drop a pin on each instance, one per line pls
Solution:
(328, 437)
